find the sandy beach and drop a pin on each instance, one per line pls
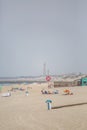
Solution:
(21, 112)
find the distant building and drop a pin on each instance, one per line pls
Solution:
(67, 83)
(84, 81)
(71, 81)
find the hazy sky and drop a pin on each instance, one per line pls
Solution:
(34, 32)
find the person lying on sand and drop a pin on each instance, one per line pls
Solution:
(67, 92)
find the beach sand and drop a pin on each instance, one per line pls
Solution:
(21, 112)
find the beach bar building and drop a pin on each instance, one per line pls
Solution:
(84, 81)
(67, 83)
(71, 81)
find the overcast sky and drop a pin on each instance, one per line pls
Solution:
(34, 32)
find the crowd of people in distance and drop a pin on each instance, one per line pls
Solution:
(65, 92)
(49, 92)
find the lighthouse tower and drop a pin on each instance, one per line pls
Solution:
(44, 69)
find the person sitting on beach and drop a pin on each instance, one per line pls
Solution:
(44, 91)
(55, 92)
(50, 92)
